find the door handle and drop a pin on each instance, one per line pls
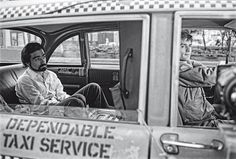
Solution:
(128, 55)
(170, 143)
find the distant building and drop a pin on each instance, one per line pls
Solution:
(16, 38)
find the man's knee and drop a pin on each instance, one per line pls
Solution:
(80, 97)
(94, 86)
(76, 102)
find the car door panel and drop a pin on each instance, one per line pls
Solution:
(72, 78)
(106, 78)
(130, 54)
(193, 136)
(42, 138)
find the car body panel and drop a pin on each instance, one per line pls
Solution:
(109, 6)
(42, 137)
(198, 136)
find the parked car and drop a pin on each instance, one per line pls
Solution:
(145, 121)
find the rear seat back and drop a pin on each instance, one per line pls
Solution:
(8, 79)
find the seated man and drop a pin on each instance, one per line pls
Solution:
(193, 105)
(40, 86)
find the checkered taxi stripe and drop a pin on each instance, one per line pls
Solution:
(31, 10)
(112, 6)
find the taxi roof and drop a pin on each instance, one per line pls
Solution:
(31, 9)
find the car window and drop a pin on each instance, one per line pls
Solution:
(67, 53)
(104, 48)
(11, 44)
(203, 47)
(213, 45)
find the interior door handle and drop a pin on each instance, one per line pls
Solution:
(128, 55)
(170, 143)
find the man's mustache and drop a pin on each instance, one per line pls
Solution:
(43, 67)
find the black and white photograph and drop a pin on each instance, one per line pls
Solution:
(117, 79)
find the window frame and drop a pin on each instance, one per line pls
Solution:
(145, 18)
(179, 16)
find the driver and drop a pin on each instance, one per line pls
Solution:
(193, 76)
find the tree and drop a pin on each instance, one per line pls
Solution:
(233, 35)
(222, 32)
(203, 39)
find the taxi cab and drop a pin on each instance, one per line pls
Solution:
(131, 49)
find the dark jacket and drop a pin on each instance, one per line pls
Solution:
(193, 105)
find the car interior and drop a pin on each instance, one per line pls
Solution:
(80, 63)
